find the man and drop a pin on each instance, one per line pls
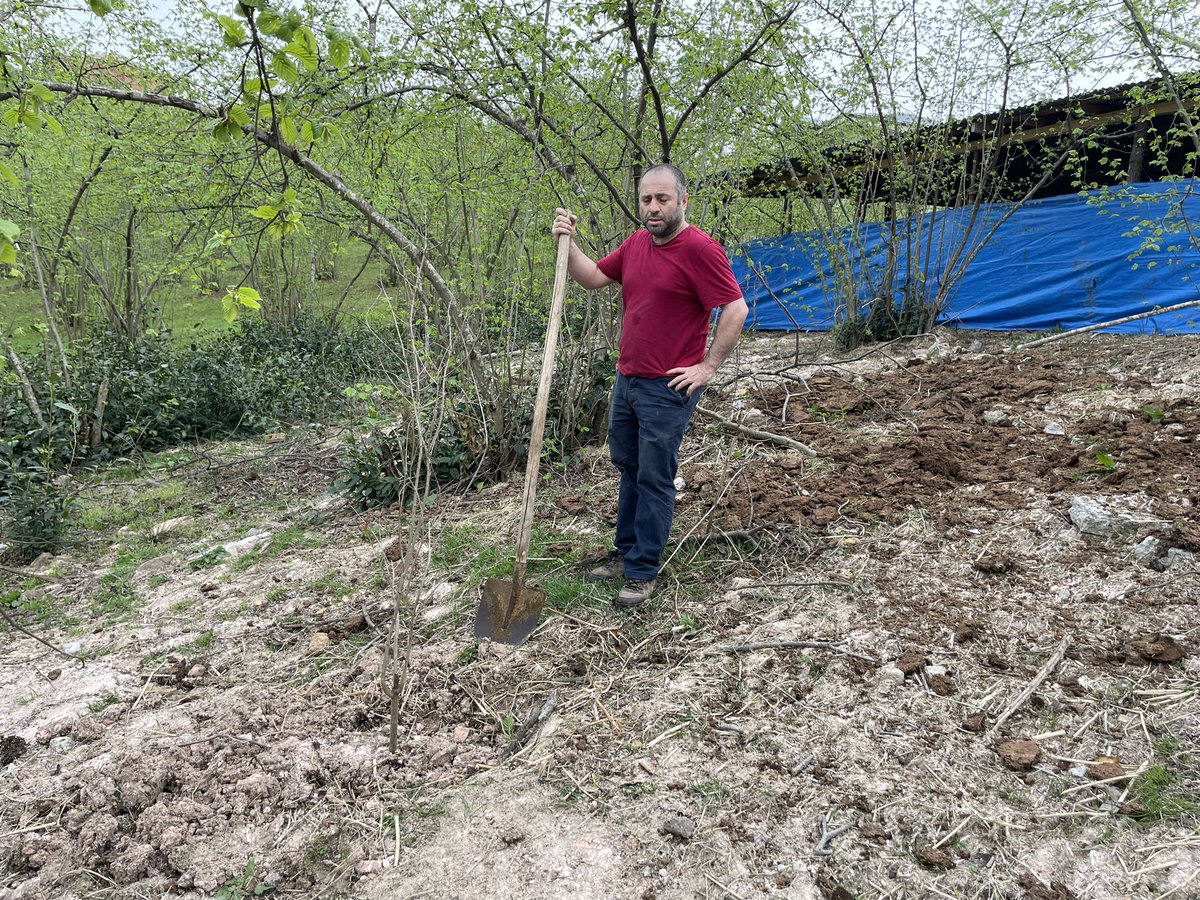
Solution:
(672, 277)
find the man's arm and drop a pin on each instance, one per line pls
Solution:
(729, 329)
(581, 266)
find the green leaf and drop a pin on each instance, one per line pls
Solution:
(238, 116)
(101, 7)
(249, 298)
(235, 31)
(269, 22)
(11, 117)
(287, 131)
(304, 48)
(9, 231)
(339, 52)
(229, 308)
(8, 175)
(52, 123)
(42, 93)
(8, 254)
(265, 212)
(282, 66)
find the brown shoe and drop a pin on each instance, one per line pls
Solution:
(611, 566)
(636, 592)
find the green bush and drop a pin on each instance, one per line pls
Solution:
(159, 394)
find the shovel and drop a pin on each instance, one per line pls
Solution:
(509, 610)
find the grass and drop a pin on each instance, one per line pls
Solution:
(139, 510)
(1163, 794)
(294, 538)
(188, 312)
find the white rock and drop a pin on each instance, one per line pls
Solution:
(934, 671)
(1095, 516)
(680, 484)
(169, 526)
(72, 648)
(1054, 428)
(61, 744)
(256, 540)
(890, 676)
(1181, 558)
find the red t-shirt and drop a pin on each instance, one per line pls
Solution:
(669, 292)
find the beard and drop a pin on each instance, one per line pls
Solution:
(667, 224)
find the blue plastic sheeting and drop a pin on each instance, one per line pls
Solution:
(1063, 262)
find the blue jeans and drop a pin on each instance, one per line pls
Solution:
(645, 427)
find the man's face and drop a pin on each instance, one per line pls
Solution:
(660, 205)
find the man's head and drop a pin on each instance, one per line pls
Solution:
(662, 201)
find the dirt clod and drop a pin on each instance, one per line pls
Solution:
(11, 747)
(1035, 890)
(1018, 755)
(935, 857)
(974, 722)
(911, 661)
(942, 685)
(1157, 648)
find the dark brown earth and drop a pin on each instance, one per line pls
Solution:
(807, 707)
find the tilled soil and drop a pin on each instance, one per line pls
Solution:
(895, 668)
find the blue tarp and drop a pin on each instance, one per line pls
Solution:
(1064, 262)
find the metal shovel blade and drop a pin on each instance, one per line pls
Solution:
(494, 612)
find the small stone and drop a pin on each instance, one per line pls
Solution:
(935, 671)
(319, 642)
(512, 835)
(461, 733)
(890, 677)
(995, 417)
(1018, 755)
(72, 648)
(680, 484)
(1054, 428)
(679, 826)
(197, 671)
(61, 744)
(54, 674)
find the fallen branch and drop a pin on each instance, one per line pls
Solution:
(757, 435)
(526, 732)
(21, 628)
(827, 835)
(1050, 666)
(1157, 311)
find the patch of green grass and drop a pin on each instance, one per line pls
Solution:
(204, 641)
(142, 509)
(714, 790)
(36, 607)
(102, 702)
(567, 593)
(208, 559)
(289, 539)
(331, 585)
(276, 595)
(1163, 794)
(181, 606)
(467, 549)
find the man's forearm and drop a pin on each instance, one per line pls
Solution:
(729, 329)
(584, 270)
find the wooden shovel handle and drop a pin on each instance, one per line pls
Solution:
(539, 417)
